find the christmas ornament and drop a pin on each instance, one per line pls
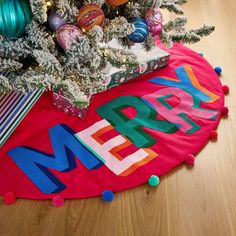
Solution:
(154, 20)
(141, 31)
(89, 16)
(116, 2)
(14, 16)
(55, 21)
(66, 34)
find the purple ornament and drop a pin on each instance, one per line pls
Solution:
(66, 34)
(55, 21)
(154, 20)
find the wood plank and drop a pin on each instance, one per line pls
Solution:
(197, 201)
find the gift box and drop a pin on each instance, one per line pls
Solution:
(14, 106)
(64, 104)
(148, 62)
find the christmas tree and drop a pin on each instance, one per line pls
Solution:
(62, 45)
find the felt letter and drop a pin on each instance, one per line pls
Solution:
(133, 128)
(108, 151)
(178, 114)
(35, 164)
(188, 82)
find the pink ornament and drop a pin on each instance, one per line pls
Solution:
(66, 34)
(154, 20)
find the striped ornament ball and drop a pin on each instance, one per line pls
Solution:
(141, 30)
(116, 2)
(89, 16)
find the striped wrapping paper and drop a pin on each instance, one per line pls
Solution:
(13, 108)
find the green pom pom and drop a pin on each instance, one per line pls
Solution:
(201, 54)
(154, 181)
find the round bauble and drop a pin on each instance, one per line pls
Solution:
(55, 21)
(89, 16)
(116, 2)
(14, 16)
(66, 34)
(141, 31)
(154, 20)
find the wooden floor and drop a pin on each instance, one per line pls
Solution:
(198, 201)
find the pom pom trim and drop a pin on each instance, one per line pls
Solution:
(225, 89)
(190, 160)
(218, 70)
(213, 135)
(154, 181)
(108, 196)
(58, 201)
(9, 198)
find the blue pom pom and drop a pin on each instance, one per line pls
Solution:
(108, 196)
(141, 30)
(218, 70)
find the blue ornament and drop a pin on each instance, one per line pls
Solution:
(14, 16)
(141, 30)
(55, 21)
(108, 196)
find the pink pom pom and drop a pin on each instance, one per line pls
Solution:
(9, 198)
(213, 135)
(225, 111)
(190, 159)
(225, 89)
(58, 201)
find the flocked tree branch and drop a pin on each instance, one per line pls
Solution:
(35, 60)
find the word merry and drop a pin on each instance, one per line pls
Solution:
(96, 146)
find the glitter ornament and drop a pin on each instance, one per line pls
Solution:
(116, 2)
(55, 21)
(141, 31)
(14, 17)
(89, 16)
(154, 20)
(66, 34)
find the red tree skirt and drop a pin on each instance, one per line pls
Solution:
(142, 128)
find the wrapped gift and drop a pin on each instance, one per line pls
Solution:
(64, 104)
(13, 108)
(148, 62)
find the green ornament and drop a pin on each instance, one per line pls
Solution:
(154, 181)
(14, 16)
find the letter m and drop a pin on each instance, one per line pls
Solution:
(36, 164)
